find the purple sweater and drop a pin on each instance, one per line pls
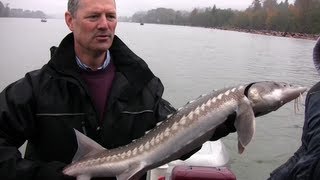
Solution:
(99, 84)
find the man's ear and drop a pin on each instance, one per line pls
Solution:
(69, 20)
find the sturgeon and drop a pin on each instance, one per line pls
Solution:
(185, 130)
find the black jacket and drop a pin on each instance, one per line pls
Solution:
(305, 163)
(45, 106)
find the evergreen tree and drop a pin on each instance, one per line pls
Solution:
(1, 9)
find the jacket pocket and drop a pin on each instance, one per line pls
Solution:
(63, 120)
(55, 139)
(134, 124)
(137, 112)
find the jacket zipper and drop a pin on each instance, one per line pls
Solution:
(79, 84)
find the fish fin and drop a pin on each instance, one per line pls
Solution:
(158, 124)
(134, 172)
(86, 146)
(169, 116)
(240, 148)
(83, 177)
(244, 124)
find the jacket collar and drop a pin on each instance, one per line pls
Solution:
(128, 63)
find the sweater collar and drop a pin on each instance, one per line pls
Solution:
(87, 68)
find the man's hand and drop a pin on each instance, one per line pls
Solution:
(52, 171)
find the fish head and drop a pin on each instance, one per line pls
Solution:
(268, 96)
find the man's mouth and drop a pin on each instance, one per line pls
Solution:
(103, 37)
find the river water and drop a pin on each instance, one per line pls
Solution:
(191, 61)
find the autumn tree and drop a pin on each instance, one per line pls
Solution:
(301, 16)
(256, 5)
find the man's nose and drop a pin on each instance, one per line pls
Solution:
(103, 23)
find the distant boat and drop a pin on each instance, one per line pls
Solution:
(43, 20)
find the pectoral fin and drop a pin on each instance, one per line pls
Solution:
(245, 125)
(83, 177)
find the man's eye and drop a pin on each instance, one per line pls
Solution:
(93, 17)
(111, 17)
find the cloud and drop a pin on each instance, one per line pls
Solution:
(129, 7)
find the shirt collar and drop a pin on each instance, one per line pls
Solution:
(87, 68)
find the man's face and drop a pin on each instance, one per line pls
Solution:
(93, 25)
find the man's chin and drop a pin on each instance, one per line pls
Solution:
(102, 48)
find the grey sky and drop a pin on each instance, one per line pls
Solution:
(128, 7)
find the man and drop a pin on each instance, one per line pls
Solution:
(305, 163)
(93, 83)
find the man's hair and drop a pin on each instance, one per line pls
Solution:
(73, 6)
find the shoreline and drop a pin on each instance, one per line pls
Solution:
(276, 33)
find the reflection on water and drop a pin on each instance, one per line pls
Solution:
(191, 61)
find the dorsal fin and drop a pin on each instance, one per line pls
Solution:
(86, 146)
(158, 124)
(169, 116)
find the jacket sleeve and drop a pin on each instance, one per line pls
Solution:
(303, 164)
(16, 126)
(311, 137)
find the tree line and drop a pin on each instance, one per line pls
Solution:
(302, 16)
(6, 11)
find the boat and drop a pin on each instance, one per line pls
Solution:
(210, 162)
(43, 19)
